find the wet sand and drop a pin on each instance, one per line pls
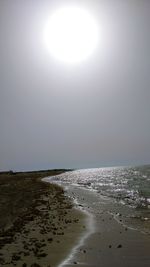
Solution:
(111, 244)
(39, 225)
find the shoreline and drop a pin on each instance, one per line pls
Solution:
(88, 225)
(112, 243)
(63, 225)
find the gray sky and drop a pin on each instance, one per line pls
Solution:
(93, 114)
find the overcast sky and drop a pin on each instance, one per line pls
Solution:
(54, 115)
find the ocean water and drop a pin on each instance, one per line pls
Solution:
(124, 191)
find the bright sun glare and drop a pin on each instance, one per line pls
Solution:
(71, 34)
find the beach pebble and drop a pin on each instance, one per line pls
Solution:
(35, 265)
(42, 255)
(15, 257)
(2, 261)
(50, 239)
(26, 254)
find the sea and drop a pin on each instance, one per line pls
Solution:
(123, 191)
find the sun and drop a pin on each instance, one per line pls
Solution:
(71, 34)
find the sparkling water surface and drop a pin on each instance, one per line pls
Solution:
(125, 191)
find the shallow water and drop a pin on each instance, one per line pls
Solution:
(125, 192)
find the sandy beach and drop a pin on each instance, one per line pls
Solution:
(44, 224)
(39, 225)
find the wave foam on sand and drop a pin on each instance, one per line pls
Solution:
(81, 237)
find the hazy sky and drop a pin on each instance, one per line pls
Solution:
(93, 114)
